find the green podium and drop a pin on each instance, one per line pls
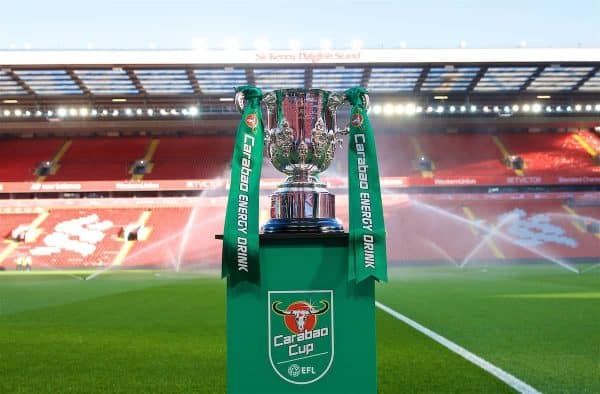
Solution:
(300, 296)
(304, 281)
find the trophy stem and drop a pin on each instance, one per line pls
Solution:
(302, 206)
(301, 175)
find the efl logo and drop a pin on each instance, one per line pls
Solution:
(295, 370)
(301, 334)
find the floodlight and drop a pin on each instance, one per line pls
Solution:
(356, 44)
(294, 44)
(388, 109)
(325, 44)
(262, 44)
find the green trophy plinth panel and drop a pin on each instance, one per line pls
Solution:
(305, 328)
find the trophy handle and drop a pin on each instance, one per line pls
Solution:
(366, 101)
(240, 102)
(335, 101)
(270, 102)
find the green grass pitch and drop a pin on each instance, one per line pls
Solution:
(126, 332)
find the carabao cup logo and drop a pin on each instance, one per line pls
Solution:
(301, 334)
(357, 119)
(251, 121)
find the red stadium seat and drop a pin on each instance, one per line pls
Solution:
(20, 157)
(193, 157)
(105, 158)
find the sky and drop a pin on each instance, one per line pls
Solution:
(180, 24)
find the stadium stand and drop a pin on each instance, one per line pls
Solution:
(420, 229)
(163, 245)
(396, 149)
(445, 150)
(412, 157)
(544, 225)
(100, 158)
(433, 230)
(591, 138)
(168, 226)
(449, 172)
(551, 153)
(19, 157)
(191, 157)
(417, 233)
(8, 223)
(78, 237)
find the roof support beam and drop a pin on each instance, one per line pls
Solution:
(136, 81)
(477, 78)
(19, 81)
(308, 78)
(250, 76)
(193, 81)
(75, 78)
(366, 77)
(585, 79)
(421, 79)
(532, 78)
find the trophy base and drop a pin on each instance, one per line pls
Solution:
(324, 225)
(302, 207)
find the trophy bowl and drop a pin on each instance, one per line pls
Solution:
(301, 137)
(301, 132)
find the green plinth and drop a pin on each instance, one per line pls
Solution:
(304, 284)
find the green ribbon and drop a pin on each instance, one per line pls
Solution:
(367, 255)
(240, 235)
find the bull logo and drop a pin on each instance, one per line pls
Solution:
(251, 121)
(300, 315)
(301, 335)
(357, 119)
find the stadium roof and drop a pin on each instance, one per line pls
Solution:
(132, 90)
(46, 77)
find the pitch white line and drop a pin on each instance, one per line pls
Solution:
(504, 376)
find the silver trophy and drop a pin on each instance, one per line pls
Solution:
(301, 137)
